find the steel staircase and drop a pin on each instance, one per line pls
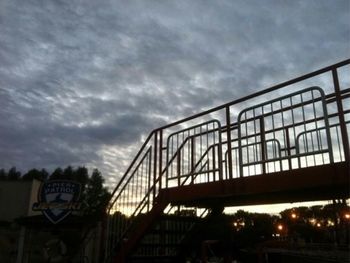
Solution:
(164, 242)
(222, 157)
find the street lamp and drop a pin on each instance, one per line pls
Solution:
(280, 227)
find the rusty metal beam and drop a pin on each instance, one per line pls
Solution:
(313, 183)
(343, 128)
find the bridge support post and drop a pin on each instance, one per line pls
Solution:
(340, 108)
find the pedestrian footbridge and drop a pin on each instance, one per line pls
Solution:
(287, 143)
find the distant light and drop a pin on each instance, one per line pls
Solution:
(312, 221)
(318, 224)
(294, 215)
(347, 216)
(330, 223)
(280, 227)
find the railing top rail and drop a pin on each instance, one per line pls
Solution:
(313, 88)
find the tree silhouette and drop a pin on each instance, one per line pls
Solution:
(3, 174)
(81, 175)
(57, 174)
(69, 173)
(13, 174)
(96, 196)
(35, 174)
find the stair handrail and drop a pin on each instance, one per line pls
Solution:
(129, 168)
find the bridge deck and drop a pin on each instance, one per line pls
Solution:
(307, 184)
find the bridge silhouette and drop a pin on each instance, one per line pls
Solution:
(287, 143)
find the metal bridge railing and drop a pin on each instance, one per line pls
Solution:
(193, 152)
(248, 136)
(297, 122)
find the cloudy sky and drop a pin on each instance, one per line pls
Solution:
(83, 82)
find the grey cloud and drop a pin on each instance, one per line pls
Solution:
(79, 76)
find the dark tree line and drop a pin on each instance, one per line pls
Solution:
(94, 194)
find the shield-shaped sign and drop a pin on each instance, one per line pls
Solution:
(57, 199)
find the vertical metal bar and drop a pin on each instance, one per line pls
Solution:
(139, 181)
(154, 166)
(123, 207)
(131, 196)
(214, 163)
(117, 227)
(166, 163)
(171, 151)
(229, 146)
(286, 143)
(220, 154)
(316, 122)
(247, 141)
(130, 190)
(263, 144)
(274, 138)
(193, 156)
(294, 133)
(313, 147)
(207, 146)
(160, 163)
(178, 164)
(339, 144)
(288, 148)
(255, 151)
(188, 152)
(306, 144)
(214, 159)
(226, 168)
(144, 180)
(240, 152)
(321, 145)
(149, 175)
(327, 127)
(200, 142)
(343, 128)
(139, 184)
(182, 143)
(178, 172)
(237, 161)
